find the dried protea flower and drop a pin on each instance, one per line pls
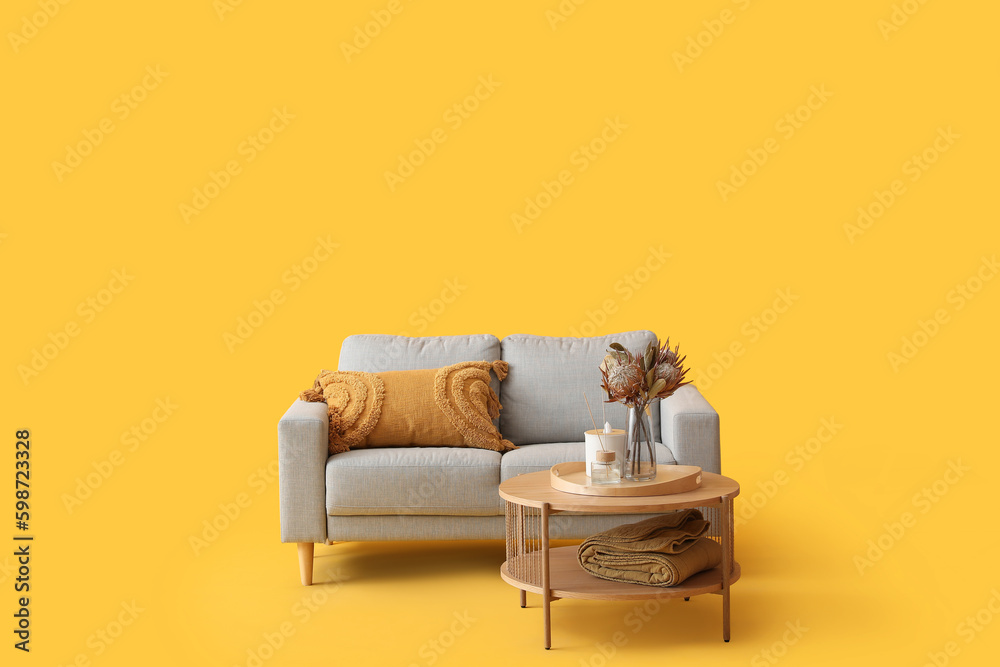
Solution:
(668, 355)
(668, 373)
(609, 362)
(669, 369)
(624, 382)
(620, 378)
(636, 379)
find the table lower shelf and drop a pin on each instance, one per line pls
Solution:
(567, 579)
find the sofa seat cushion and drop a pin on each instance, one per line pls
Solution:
(414, 480)
(532, 458)
(543, 394)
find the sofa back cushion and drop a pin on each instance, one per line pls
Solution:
(376, 353)
(542, 396)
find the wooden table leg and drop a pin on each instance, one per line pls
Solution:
(546, 591)
(727, 561)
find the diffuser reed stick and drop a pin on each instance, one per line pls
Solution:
(600, 440)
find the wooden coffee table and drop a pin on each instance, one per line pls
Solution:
(556, 573)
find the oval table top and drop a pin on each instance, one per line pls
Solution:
(534, 489)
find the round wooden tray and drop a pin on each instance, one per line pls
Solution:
(572, 477)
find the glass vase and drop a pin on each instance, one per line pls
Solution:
(640, 451)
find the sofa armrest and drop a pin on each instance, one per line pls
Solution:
(302, 453)
(689, 426)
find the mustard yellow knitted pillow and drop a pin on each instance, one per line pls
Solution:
(451, 406)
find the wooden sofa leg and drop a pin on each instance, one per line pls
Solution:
(306, 562)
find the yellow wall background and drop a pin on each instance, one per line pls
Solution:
(127, 275)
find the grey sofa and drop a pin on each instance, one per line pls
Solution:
(449, 493)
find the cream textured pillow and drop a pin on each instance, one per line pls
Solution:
(451, 406)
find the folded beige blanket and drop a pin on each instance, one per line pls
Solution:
(661, 551)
